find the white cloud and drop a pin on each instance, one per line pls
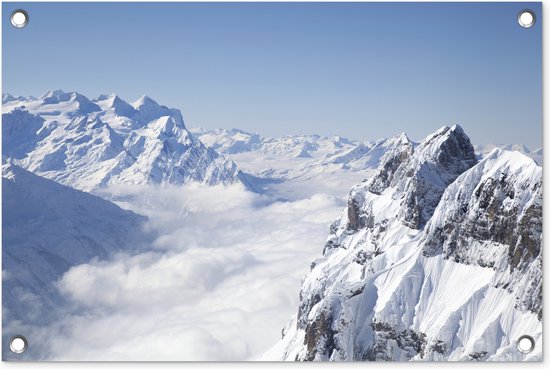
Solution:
(219, 283)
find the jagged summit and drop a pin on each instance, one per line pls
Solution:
(400, 138)
(166, 127)
(118, 105)
(148, 110)
(6, 98)
(144, 100)
(51, 93)
(421, 172)
(110, 98)
(445, 142)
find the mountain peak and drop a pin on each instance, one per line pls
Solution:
(437, 162)
(119, 106)
(6, 98)
(402, 137)
(149, 110)
(51, 93)
(484, 239)
(422, 172)
(446, 130)
(109, 97)
(457, 127)
(144, 100)
(400, 149)
(447, 146)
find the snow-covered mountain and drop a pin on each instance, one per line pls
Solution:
(46, 229)
(294, 157)
(436, 257)
(87, 144)
(484, 150)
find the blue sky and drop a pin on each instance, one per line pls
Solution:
(363, 71)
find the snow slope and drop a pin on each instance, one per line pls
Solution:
(436, 257)
(89, 144)
(46, 229)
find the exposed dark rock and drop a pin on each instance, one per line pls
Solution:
(362, 257)
(478, 356)
(356, 220)
(306, 304)
(390, 164)
(437, 162)
(331, 243)
(439, 347)
(410, 341)
(357, 292)
(320, 337)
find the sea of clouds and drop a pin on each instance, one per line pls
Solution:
(219, 282)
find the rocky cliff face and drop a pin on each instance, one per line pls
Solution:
(423, 172)
(497, 224)
(437, 257)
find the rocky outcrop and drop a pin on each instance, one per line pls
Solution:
(436, 163)
(391, 162)
(420, 174)
(408, 341)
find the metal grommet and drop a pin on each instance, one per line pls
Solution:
(18, 344)
(19, 18)
(527, 18)
(525, 344)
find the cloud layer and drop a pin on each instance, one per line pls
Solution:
(219, 282)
